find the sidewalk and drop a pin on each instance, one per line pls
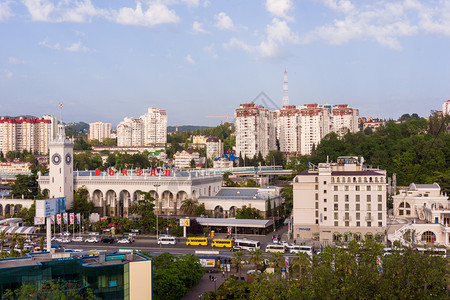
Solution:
(204, 286)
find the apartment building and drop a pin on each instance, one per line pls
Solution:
(315, 124)
(149, 129)
(99, 131)
(214, 147)
(155, 126)
(344, 119)
(339, 199)
(255, 130)
(182, 159)
(31, 134)
(289, 128)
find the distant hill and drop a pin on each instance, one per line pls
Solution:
(77, 129)
(186, 128)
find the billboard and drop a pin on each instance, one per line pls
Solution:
(50, 207)
(39, 221)
(185, 222)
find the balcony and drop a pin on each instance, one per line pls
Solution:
(369, 218)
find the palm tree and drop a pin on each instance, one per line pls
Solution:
(3, 237)
(13, 243)
(21, 243)
(41, 243)
(277, 260)
(188, 206)
(300, 260)
(237, 258)
(257, 257)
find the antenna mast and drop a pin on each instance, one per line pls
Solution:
(285, 90)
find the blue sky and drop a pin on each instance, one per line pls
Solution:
(106, 60)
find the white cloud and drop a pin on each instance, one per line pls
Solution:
(384, 23)
(206, 3)
(278, 34)
(197, 27)
(40, 10)
(190, 60)
(76, 47)
(280, 8)
(15, 61)
(156, 13)
(5, 11)
(212, 50)
(8, 74)
(193, 3)
(224, 22)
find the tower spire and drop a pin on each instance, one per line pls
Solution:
(61, 127)
(285, 90)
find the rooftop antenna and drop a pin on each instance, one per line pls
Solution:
(285, 90)
(60, 112)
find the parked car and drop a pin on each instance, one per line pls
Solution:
(91, 240)
(123, 241)
(77, 239)
(108, 240)
(235, 248)
(66, 233)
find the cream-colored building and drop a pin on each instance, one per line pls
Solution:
(425, 211)
(183, 158)
(130, 132)
(31, 134)
(99, 131)
(255, 130)
(315, 124)
(214, 147)
(336, 199)
(154, 127)
(344, 119)
(289, 130)
(222, 162)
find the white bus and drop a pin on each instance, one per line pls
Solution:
(167, 240)
(245, 244)
(433, 251)
(275, 248)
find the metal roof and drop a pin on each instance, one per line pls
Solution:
(250, 223)
(244, 192)
(19, 229)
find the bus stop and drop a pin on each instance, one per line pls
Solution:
(237, 226)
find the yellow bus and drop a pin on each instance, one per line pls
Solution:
(222, 243)
(197, 241)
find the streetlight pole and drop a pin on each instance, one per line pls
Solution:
(157, 204)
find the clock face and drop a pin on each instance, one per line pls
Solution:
(68, 158)
(56, 159)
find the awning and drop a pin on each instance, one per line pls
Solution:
(19, 229)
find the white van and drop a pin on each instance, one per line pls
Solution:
(305, 249)
(275, 248)
(167, 240)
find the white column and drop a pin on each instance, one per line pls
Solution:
(49, 235)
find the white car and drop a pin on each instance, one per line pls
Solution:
(123, 241)
(66, 233)
(63, 240)
(91, 240)
(77, 239)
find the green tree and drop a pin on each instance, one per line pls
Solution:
(257, 257)
(227, 181)
(27, 186)
(275, 158)
(277, 260)
(189, 206)
(81, 204)
(238, 259)
(248, 213)
(42, 243)
(301, 260)
(3, 238)
(50, 290)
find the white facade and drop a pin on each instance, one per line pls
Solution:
(155, 127)
(183, 158)
(339, 198)
(426, 212)
(222, 163)
(344, 119)
(61, 167)
(255, 130)
(99, 131)
(214, 147)
(446, 108)
(315, 124)
(130, 132)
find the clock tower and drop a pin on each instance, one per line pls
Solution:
(61, 165)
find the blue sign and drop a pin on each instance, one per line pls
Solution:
(326, 231)
(304, 228)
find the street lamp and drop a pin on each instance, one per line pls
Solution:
(157, 204)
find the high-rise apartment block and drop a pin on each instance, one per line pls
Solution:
(214, 147)
(149, 129)
(289, 125)
(314, 125)
(339, 199)
(255, 130)
(31, 134)
(344, 119)
(99, 131)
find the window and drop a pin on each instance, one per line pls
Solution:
(317, 187)
(347, 224)
(380, 216)
(317, 205)
(346, 188)
(317, 214)
(359, 179)
(358, 216)
(380, 207)
(325, 200)
(347, 216)
(332, 179)
(338, 180)
(380, 198)
(316, 179)
(358, 207)
(404, 209)
(336, 215)
(335, 187)
(368, 188)
(347, 207)
(380, 188)
(324, 191)
(369, 224)
(324, 182)
(317, 221)
(369, 206)
(324, 209)
(336, 198)
(357, 198)
(369, 198)
(325, 218)
(365, 179)
(317, 196)
(357, 188)
(346, 198)
(428, 237)
(336, 223)
(380, 224)
(358, 224)
(336, 206)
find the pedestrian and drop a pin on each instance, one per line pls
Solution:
(223, 274)
(295, 242)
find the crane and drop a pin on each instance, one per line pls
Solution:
(226, 117)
